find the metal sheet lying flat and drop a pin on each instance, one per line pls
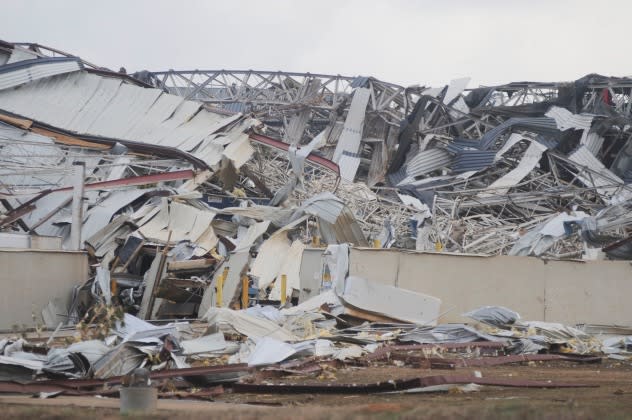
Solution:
(248, 325)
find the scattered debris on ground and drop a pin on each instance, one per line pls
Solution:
(196, 194)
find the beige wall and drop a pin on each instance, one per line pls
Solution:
(558, 291)
(31, 278)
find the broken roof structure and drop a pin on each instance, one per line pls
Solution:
(198, 194)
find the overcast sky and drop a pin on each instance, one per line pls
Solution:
(400, 41)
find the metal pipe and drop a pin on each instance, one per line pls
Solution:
(78, 177)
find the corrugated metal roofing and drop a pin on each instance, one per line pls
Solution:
(566, 120)
(599, 176)
(528, 162)
(473, 160)
(324, 205)
(21, 72)
(349, 141)
(593, 142)
(427, 161)
(91, 104)
(540, 125)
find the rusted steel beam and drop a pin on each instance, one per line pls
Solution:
(401, 385)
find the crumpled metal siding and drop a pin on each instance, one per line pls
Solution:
(473, 160)
(96, 105)
(565, 120)
(427, 161)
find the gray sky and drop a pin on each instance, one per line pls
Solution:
(400, 41)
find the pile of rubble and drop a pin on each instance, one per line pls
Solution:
(260, 349)
(195, 198)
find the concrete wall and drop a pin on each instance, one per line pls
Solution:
(29, 279)
(570, 292)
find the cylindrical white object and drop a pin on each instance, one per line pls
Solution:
(138, 400)
(78, 177)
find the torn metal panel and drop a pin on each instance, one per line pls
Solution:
(467, 160)
(529, 160)
(100, 215)
(119, 361)
(455, 88)
(597, 175)
(290, 268)
(180, 222)
(248, 325)
(247, 239)
(95, 105)
(104, 240)
(566, 120)
(345, 230)
(239, 150)
(390, 301)
(428, 161)
(205, 344)
(267, 265)
(352, 132)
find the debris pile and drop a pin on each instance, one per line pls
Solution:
(265, 350)
(196, 199)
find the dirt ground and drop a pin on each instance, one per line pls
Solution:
(611, 399)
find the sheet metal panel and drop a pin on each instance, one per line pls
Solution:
(531, 157)
(105, 106)
(565, 120)
(16, 74)
(127, 106)
(427, 161)
(103, 90)
(599, 176)
(352, 131)
(473, 160)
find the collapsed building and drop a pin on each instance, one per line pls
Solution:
(206, 194)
